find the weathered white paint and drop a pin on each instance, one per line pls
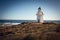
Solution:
(39, 16)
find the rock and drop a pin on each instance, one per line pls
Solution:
(1, 34)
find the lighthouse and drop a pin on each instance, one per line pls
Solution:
(40, 16)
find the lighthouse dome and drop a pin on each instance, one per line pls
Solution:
(39, 8)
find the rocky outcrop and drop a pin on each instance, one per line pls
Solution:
(30, 31)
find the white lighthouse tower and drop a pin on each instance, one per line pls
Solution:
(39, 16)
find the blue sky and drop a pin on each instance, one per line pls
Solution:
(27, 9)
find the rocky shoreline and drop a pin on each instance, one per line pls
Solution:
(30, 31)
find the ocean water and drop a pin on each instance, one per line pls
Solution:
(14, 22)
(20, 21)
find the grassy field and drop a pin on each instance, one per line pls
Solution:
(30, 31)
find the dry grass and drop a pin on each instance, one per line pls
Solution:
(30, 31)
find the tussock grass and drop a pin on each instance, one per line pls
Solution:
(30, 31)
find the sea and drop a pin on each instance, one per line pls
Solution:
(15, 22)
